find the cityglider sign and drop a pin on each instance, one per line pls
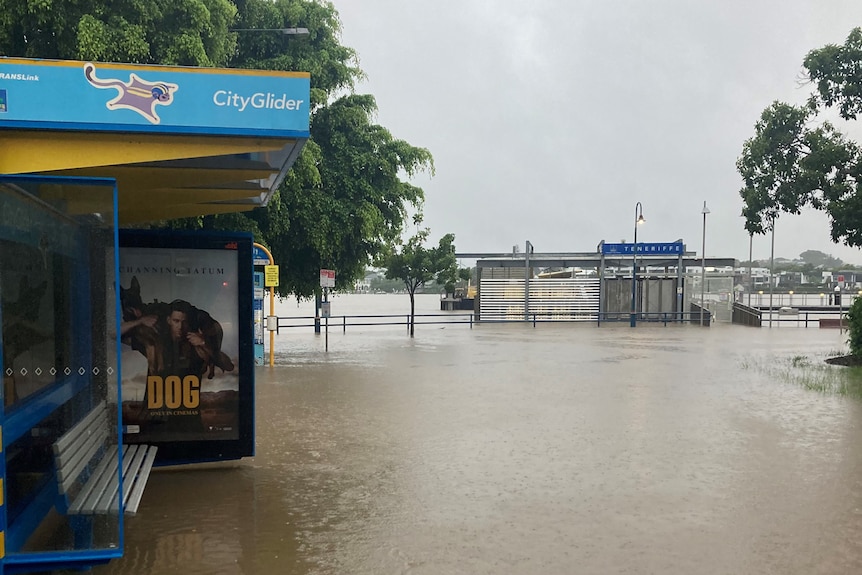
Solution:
(69, 95)
(657, 249)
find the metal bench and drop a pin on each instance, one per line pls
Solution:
(87, 468)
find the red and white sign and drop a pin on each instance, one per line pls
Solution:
(840, 279)
(327, 278)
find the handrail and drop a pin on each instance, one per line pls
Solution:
(373, 320)
(402, 319)
(746, 315)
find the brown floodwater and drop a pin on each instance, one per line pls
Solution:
(512, 449)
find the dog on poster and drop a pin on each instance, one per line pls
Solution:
(144, 329)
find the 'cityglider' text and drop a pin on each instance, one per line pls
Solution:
(259, 100)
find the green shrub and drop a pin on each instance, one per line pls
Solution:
(854, 323)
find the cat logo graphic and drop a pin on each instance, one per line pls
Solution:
(137, 95)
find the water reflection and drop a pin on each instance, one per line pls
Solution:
(509, 449)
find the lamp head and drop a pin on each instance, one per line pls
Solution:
(640, 219)
(285, 31)
(705, 210)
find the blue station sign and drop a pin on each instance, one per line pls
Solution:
(655, 248)
(259, 258)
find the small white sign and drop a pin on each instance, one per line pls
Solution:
(258, 293)
(327, 278)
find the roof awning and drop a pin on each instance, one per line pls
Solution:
(220, 141)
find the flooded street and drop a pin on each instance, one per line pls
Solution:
(512, 449)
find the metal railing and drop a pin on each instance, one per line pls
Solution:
(746, 315)
(344, 321)
(693, 317)
(805, 318)
(742, 314)
(535, 318)
(802, 316)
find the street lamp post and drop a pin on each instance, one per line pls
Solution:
(528, 250)
(750, 280)
(840, 303)
(771, 265)
(704, 211)
(639, 219)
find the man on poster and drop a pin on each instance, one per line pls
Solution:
(179, 356)
(172, 397)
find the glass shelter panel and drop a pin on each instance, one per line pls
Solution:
(59, 350)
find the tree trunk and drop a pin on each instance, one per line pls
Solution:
(412, 311)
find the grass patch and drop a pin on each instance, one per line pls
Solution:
(812, 373)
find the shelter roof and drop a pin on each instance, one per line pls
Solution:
(179, 141)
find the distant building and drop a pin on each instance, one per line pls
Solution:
(846, 278)
(791, 279)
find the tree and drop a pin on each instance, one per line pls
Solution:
(180, 32)
(819, 259)
(344, 199)
(359, 205)
(416, 265)
(456, 278)
(854, 325)
(791, 162)
(381, 284)
(346, 195)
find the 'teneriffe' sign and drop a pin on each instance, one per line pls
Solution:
(661, 248)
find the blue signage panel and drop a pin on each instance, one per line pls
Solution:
(69, 95)
(657, 249)
(260, 258)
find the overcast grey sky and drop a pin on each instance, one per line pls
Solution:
(549, 120)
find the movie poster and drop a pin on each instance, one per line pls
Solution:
(182, 375)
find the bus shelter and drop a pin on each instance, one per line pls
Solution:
(85, 150)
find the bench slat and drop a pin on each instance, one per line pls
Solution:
(83, 446)
(131, 460)
(71, 436)
(72, 458)
(70, 468)
(136, 491)
(97, 485)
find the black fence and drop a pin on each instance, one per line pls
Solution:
(343, 321)
(742, 315)
(467, 319)
(802, 316)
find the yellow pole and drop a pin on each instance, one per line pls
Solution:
(271, 307)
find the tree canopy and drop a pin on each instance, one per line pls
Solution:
(346, 196)
(179, 32)
(793, 160)
(416, 265)
(819, 259)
